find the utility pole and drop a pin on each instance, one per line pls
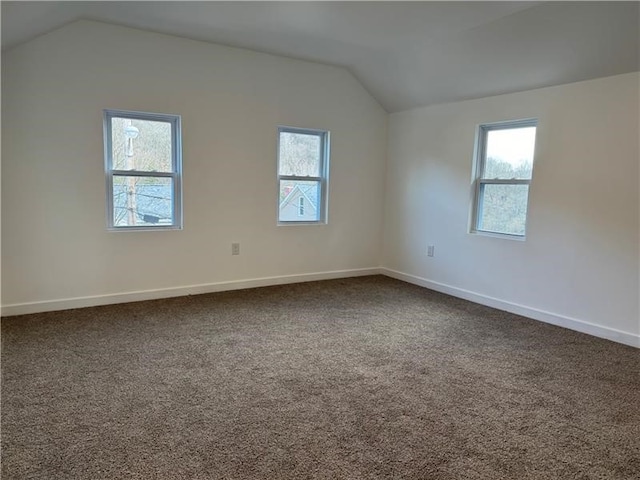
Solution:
(130, 132)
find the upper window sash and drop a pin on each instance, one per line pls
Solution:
(176, 136)
(322, 135)
(480, 157)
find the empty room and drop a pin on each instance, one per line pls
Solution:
(320, 240)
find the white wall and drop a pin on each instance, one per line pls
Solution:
(54, 240)
(579, 265)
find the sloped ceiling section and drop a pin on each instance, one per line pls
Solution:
(407, 54)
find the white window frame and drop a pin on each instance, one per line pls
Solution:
(176, 164)
(479, 182)
(322, 179)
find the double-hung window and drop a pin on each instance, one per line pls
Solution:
(143, 164)
(503, 172)
(303, 162)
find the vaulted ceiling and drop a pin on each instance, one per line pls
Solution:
(406, 54)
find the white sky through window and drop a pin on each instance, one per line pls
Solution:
(514, 146)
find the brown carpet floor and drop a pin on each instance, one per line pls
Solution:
(363, 378)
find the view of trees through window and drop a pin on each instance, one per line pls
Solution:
(299, 154)
(503, 208)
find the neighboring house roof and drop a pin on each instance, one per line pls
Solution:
(310, 192)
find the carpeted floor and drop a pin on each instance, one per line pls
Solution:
(364, 378)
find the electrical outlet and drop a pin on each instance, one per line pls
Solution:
(235, 249)
(431, 250)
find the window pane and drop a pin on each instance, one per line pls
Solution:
(141, 145)
(299, 201)
(503, 208)
(509, 153)
(142, 201)
(299, 154)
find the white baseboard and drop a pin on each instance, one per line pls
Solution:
(626, 338)
(534, 313)
(92, 301)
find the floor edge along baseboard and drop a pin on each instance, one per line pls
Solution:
(600, 331)
(626, 338)
(142, 295)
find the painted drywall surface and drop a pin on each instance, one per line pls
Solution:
(580, 257)
(54, 239)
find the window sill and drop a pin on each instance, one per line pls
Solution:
(293, 224)
(506, 236)
(143, 229)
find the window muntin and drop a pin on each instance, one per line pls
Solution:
(504, 168)
(302, 175)
(143, 165)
